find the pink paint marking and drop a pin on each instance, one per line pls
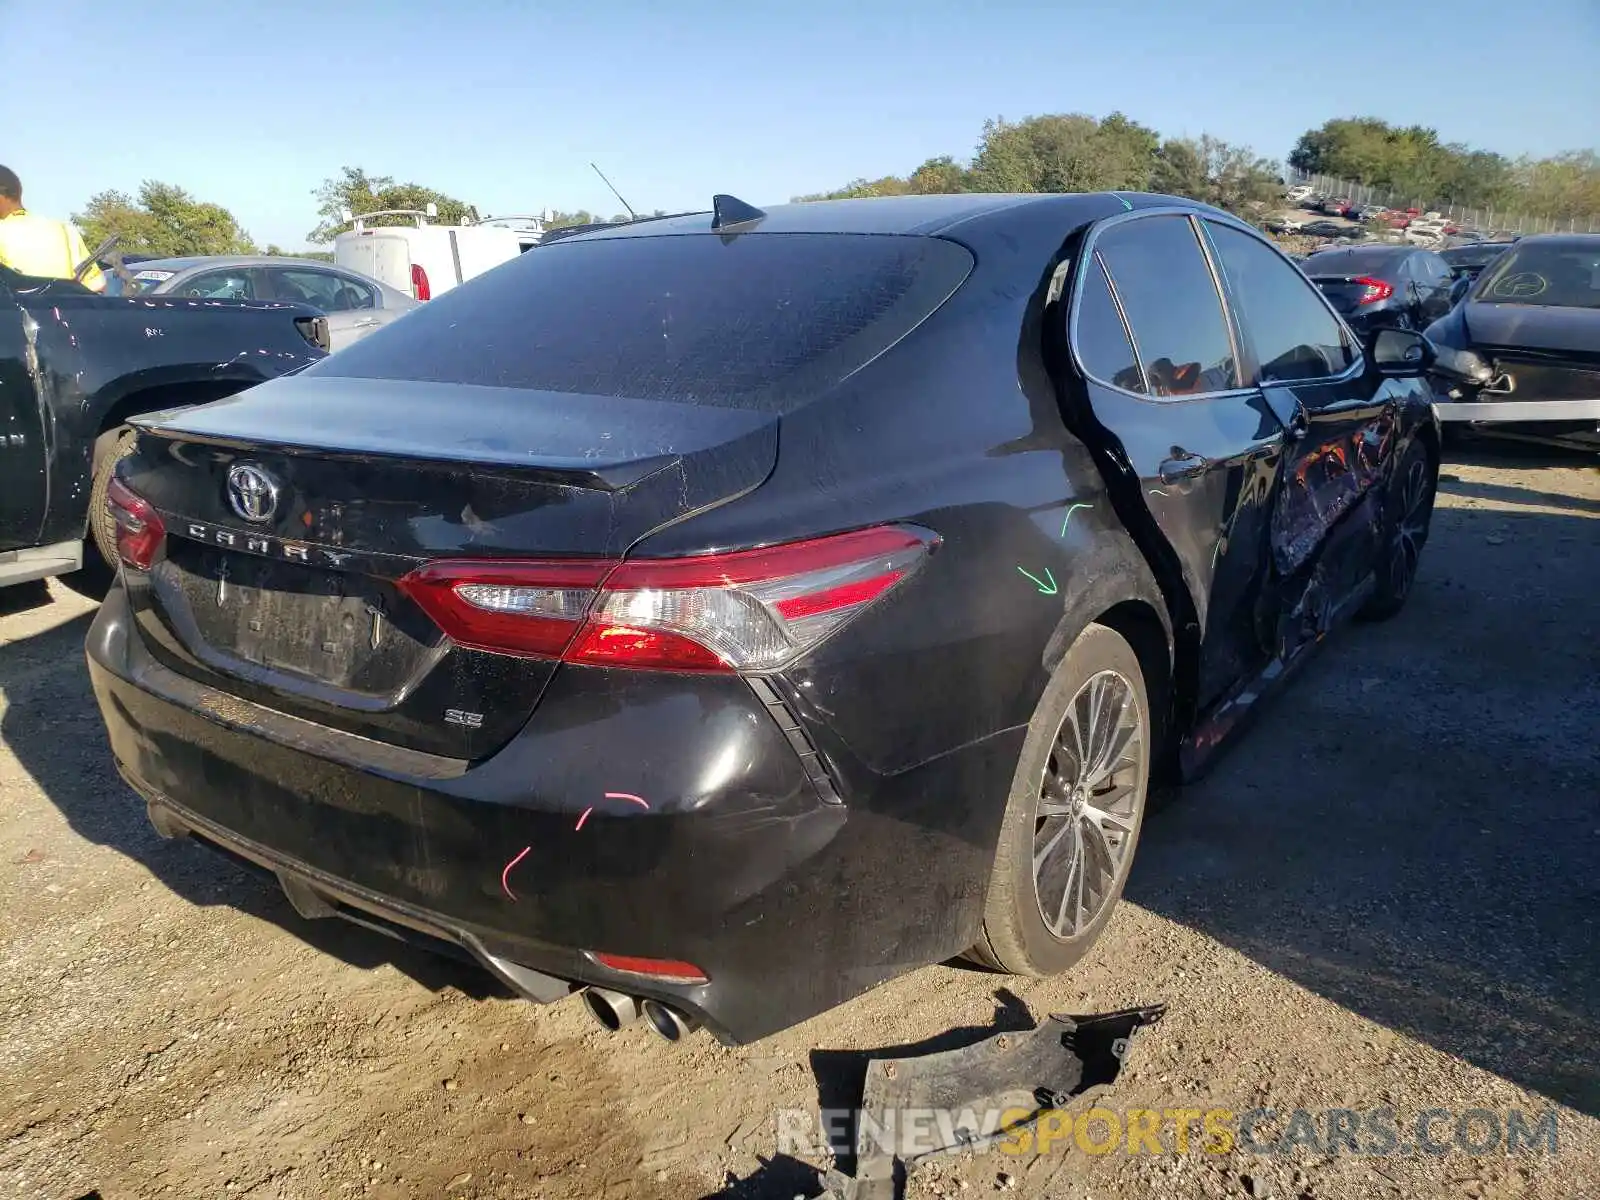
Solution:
(505, 875)
(639, 800)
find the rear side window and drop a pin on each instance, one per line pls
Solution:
(1172, 306)
(1293, 334)
(1104, 351)
(757, 321)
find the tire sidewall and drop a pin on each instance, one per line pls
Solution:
(1097, 649)
(1393, 592)
(110, 448)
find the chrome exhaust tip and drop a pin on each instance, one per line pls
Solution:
(612, 1010)
(668, 1023)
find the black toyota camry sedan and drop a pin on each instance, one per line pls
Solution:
(724, 613)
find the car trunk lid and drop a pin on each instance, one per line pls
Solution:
(294, 508)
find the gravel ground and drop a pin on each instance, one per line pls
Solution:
(1386, 895)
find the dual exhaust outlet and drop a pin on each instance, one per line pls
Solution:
(614, 1010)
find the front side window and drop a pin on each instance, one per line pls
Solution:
(1293, 334)
(219, 285)
(1171, 302)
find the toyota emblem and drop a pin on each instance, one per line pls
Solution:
(252, 493)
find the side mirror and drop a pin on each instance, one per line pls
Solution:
(1402, 353)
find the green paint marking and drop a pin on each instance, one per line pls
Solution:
(1045, 589)
(1128, 207)
(1067, 519)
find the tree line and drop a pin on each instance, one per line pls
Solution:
(1070, 152)
(1077, 152)
(1413, 162)
(1074, 152)
(165, 221)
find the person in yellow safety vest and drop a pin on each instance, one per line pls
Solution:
(38, 246)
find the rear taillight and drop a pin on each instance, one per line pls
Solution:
(140, 531)
(1377, 290)
(748, 610)
(419, 283)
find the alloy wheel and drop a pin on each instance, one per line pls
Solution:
(1411, 530)
(1088, 807)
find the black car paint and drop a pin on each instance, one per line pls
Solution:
(793, 896)
(73, 364)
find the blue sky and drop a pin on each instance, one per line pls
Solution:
(251, 104)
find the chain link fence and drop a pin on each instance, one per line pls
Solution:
(1486, 220)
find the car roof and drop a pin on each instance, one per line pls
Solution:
(1562, 241)
(924, 215)
(240, 260)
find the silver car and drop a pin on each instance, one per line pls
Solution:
(354, 303)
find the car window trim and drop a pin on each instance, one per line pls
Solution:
(1090, 253)
(1357, 366)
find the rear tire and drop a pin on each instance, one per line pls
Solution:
(1408, 515)
(100, 541)
(1073, 817)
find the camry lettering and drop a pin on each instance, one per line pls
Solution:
(270, 547)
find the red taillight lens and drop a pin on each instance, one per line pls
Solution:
(528, 608)
(1377, 290)
(419, 283)
(140, 531)
(661, 968)
(746, 610)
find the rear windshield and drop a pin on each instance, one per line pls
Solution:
(762, 321)
(1473, 256)
(1354, 262)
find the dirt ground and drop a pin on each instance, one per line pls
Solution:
(1387, 894)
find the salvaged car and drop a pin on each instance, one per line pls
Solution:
(1523, 349)
(75, 367)
(725, 613)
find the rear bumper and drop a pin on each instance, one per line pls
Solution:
(788, 903)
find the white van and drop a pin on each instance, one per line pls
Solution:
(425, 260)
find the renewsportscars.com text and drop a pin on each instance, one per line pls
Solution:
(1374, 1132)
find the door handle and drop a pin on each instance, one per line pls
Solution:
(1182, 466)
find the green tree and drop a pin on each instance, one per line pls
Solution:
(359, 192)
(1066, 153)
(1412, 162)
(1215, 172)
(165, 221)
(939, 176)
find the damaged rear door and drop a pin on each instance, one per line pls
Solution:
(1166, 386)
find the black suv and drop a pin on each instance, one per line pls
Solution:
(727, 612)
